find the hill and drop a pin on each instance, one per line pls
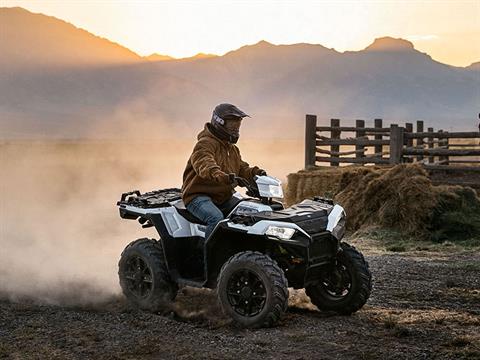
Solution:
(35, 40)
(74, 84)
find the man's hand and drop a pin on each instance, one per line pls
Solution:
(237, 180)
(232, 179)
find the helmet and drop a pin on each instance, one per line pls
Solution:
(221, 116)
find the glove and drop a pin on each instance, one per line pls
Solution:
(242, 182)
(237, 180)
(232, 179)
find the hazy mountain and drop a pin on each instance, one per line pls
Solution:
(33, 40)
(474, 66)
(199, 56)
(159, 57)
(120, 93)
(388, 79)
(389, 44)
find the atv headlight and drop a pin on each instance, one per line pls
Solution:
(339, 229)
(276, 191)
(337, 222)
(280, 232)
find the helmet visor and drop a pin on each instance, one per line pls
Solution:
(233, 126)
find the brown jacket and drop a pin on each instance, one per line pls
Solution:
(207, 169)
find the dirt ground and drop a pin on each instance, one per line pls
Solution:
(424, 305)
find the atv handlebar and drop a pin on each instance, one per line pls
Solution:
(242, 182)
(252, 188)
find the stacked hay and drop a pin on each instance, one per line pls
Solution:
(320, 181)
(401, 198)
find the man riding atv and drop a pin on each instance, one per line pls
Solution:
(215, 167)
(253, 255)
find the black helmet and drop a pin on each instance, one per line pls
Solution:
(221, 114)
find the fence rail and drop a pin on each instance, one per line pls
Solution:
(390, 145)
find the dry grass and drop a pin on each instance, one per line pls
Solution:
(394, 198)
(401, 198)
(322, 181)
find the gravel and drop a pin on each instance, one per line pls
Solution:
(424, 305)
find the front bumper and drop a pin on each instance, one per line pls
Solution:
(318, 254)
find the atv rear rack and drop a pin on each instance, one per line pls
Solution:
(151, 199)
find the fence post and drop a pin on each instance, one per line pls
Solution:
(378, 148)
(409, 141)
(310, 140)
(335, 134)
(359, 133)
(420, 140)
(446, 144)
(440, 145)
(431, 159)
(396, 144)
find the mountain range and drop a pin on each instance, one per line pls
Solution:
(59, 81)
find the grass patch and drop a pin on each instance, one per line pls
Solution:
(390, 322)
(456, 215)
(402, 331)
(469, 266)
(468, 243)
(297, 337)
(396, 248)
(394, 240)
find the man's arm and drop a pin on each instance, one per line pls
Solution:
(205, 165)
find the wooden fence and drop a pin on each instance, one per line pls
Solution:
(391, 145)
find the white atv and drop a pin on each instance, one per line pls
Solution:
(251, 257)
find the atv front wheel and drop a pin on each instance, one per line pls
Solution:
(144, 277)
(252, 289)
(346, 288)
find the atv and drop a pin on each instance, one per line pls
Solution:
(250, 258)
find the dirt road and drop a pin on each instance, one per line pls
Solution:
(424, 305)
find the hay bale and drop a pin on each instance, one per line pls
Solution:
(401, 198)
(305, 184)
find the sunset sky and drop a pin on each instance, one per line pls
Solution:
(447, 30)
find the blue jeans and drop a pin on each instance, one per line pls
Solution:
(204, 209)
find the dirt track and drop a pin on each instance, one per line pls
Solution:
(424, 305)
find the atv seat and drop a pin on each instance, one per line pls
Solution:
(183, 211)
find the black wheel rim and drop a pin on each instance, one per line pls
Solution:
(138, 277)
(246, 293)
(338, 283)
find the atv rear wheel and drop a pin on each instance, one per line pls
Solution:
(144, 277)
(252, 289)
(347, 287)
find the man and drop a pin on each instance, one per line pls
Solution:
(209, 178)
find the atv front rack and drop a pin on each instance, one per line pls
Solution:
(323, 200)
(151, 199)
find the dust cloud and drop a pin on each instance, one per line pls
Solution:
(60, 232)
